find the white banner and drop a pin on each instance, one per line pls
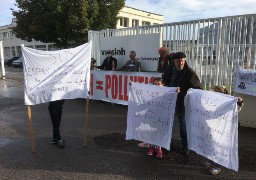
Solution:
(112, 86)
(151, 113)
(212, 126)
(245, 82)
(55, 75)
(145, 45)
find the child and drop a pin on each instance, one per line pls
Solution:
(157, 81)
(157, 149)
(221, 89)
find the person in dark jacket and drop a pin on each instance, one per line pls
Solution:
(164, 60)
(181, 75)
(93, 62)
(110, 63)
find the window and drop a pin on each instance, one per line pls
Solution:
(124, 22)
(13, 51)
(135, 22)
(7, 52)
(52, 47)
(40, 47)
(19, 51)
(145, 23)
(6, 34)
(12, 35)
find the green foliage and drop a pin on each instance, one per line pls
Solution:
(64, 22)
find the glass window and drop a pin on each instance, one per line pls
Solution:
(19, 51)
(7, 53)
(6, 34)
(40, 47)
(135, 22)
(145, 23)
(12, 34)
(124, 22)
(13, 51)
(52, 47)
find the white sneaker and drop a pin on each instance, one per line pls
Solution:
(214, 171)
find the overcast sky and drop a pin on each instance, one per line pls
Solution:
(173, 10)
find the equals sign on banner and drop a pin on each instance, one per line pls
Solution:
(99, 85)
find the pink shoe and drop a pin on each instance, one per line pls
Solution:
(151, 151)
(159, 153)
(144, 145)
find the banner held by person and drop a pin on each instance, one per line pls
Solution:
(212, 126)
(151, 113)
(113, 86)
(56, 75)
(245, 82)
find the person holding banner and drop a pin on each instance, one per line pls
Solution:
(164, 60)
(131, 65)
(55, 111)
(110, 63)
(157, 149)
(214, 168)
(181, 75)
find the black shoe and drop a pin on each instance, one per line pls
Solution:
(61, 143)
(186, 151)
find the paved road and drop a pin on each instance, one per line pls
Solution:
(107, 156)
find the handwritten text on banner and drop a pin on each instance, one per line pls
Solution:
(212, 126)
(151, 113)
(55, 75)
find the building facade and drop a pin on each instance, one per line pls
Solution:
(128, 17)
(12, 44)
(131, 17)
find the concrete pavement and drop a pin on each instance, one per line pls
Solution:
(107, 156)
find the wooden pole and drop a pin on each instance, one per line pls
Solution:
(31, 131)
(86, 122)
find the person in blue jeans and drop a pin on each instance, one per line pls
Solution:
(179, 74)
(55, 111)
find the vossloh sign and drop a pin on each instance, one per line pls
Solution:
(145, 45)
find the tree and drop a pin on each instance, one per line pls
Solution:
(64, 22)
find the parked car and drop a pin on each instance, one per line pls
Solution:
(18, 63)
(8, 62)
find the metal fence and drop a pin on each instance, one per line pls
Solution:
(214, 47)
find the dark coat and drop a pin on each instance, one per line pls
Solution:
(184, 79)
(168, 62)
(107, 63)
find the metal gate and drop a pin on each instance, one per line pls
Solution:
(214, 47)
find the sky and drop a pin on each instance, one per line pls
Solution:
(172, 10)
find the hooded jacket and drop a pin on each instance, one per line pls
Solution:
(185, 79)
(169, 61)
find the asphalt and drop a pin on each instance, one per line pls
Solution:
(107, 154)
